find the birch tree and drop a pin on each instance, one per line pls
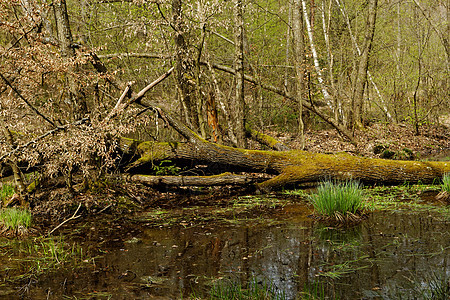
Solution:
(317, 67)
(299, 61)
(239, 101)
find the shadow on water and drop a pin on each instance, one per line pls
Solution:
(392, 254)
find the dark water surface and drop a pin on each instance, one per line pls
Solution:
(390, 255)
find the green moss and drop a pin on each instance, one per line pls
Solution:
(125, 204)
(387, 154)
(33, 185)
(151, 151)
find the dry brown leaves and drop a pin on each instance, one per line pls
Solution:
(433, 141)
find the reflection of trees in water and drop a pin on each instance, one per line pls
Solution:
(374, 257)
(384, 252)
(274, 255)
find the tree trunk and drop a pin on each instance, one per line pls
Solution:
(317, 110)
(361, 75)
(292, 167)
(239, 102)
(221, 179)
(184, 68)
(299, 60)
(309, 29)
(77, 101)
(382, 105)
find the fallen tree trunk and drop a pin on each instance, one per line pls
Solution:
(294, 166)
(265, 139)
(221, 179)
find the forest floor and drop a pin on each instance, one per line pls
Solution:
(433, 142)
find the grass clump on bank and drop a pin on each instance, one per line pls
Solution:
(445, 189)
(15, 219)
(446, 183)
(6, 192)
(339, 201)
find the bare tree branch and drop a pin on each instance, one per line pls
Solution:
(122, 106)
(26, 101)
(78, 122)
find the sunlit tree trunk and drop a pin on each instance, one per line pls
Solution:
(323, 88)
(299, 61)
(337, 105)
(12, 161)
(358, 51)
(239, 102)
(76, 100)
(183, 69)
(200, 103)
(363, 65)
(288, 45)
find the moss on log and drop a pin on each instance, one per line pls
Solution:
(294, 166)
(265, 139)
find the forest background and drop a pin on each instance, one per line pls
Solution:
(73, 73)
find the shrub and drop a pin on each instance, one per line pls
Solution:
(339, 201)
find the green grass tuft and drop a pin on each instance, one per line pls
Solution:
(14, 218)
(446, 183)
(6, 192)
(338, 200)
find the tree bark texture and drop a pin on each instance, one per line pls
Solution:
(221, 179)
(239, 102)
(78, 103)
(184, 68)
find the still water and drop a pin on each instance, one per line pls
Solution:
(390, 255)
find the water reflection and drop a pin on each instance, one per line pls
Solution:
(387, 255)
(388, 251)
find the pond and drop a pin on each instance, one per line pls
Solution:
(192, 252)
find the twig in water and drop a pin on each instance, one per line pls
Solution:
(73, 217)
